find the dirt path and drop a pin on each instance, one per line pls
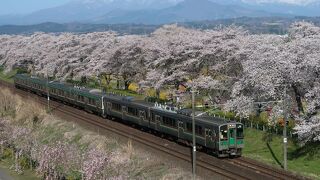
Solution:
(4, 175)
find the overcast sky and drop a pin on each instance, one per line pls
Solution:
(27, 6)
(285, 1)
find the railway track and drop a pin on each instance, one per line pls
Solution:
(240, 168)
(266, 169)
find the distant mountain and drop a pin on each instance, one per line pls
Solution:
(162, 11)
(85, 11)
(297, 8)
(188, 10)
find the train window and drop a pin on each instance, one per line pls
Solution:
(124, 109)
(132, 111)
(199, 130)
(142, 114)
(109, 105)
(92, 101)
(80, 98)
(169, 122)
(189, 127)
(116, 107)
(158, 118)
(232, 133)
(239, 130)
(224, 132)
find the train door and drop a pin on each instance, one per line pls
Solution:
(158, 122)
(142, 115)
(180, 129)
(109, 105)
(208, 139)
(232, 136)
(124, 111)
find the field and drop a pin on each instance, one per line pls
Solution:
(305, 160)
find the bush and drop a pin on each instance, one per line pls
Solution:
(151, 92)
(133, 87)
(7, 153)
(21, 70)
(263, 118)
(24, 162)
(163, 95)
(73, 175)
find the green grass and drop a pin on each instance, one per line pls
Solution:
(303, 160)
(8, 77)
(27, 174)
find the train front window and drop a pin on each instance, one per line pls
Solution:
(224, 132)
(239, 130)
(231, 133)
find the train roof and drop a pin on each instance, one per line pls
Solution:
(64, 86)
(128, 99)
(204, 117)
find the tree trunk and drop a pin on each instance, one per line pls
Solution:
(126, 85)
(1, 150)
(118, 84)
(177, 84)
(12, 151)
(30, 161)
(298, 99)
(17, 161)
(108, 80)
(157, 93)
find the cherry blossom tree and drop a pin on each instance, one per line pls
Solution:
(95, 164)
(227, 64)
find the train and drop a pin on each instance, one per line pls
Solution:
(219, 136)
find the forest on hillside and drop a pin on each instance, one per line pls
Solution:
(230, 64)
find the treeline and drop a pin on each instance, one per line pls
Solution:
(255, 25)
(229, 66)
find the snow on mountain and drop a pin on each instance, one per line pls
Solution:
(163, 11)
(188, 10)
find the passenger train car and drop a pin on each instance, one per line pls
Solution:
(217, 135)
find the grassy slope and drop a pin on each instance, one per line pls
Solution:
(8, 77)
(27, 174)
(304, 160)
